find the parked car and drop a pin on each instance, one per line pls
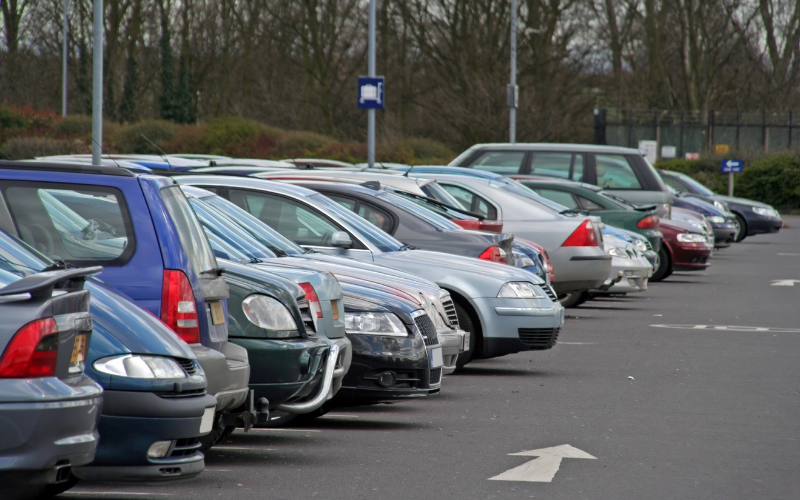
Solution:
(505, 310)
(49, 408)
(155, 405)
(684, 248)
(572, 241)
(641, 243)
(753, 217)
(624, 172)
(319, 163)
(152, 248)
(153, 162)
(723, 224)
(611, 209)
(695, 219)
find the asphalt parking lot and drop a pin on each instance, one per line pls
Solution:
(689, 411)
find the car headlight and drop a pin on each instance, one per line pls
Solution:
(640, 245)
(691, 238)
(721, 206)
(374, 323)
(271, 315)
(716, 219)
(618, 252)
(133, 366)
(520, 290)
(766, 211)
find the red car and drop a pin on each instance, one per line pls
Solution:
(683, 249)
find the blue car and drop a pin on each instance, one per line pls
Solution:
(724, 224)
(155, 407)
(143, 232)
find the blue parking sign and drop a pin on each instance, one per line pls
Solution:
(732, 166)
(370, 92)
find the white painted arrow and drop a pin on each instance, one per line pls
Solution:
(544, 468)
(731, 163)
(784, 282)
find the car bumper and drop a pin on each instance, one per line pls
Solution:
(723, 235)
(760, 225)
(628, 275)
(653, 236)
(579, 268)
(132, 422)
(59, 427)
(691, 256)
(227, 373)
(453, 343)
(514, 325)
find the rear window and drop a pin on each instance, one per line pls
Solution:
(193, 240)
(614, 172)
(82, 225)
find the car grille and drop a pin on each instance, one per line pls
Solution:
(183, 394)
(427, 329)
(436, 376)
(539, 337)
(450, 309)
(185, 448)
(187, 365)
(305, 314)
(550, 292)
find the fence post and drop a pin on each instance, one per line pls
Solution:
(764, 131)
(630, 127)
(656, 132)
(790, 129)
(600, 126)
(710, 130)
(680, 139)
(738, 126)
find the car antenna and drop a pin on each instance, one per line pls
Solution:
(103, 151)
(163, 154)
(409, 170)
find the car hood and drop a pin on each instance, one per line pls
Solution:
(741, 201)
(325, 285)
(371, 299)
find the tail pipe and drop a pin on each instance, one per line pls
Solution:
(325, 387)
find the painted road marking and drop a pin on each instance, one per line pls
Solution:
(339, 415)
(784, 282)
(544, 468)
(279, 430)
(225, 448)
(790, 254)
(578, 343)
(729, 328)
(105, 493)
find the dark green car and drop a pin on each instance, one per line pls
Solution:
(611, 209)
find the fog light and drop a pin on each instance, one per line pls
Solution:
(386, 379)
(628, 273)
(159, 449)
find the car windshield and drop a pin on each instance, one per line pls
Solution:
(364, 228)
(696, 185)
(437, 192)
(223, 228)
(523, 192)
(254, 226)
(435, 219)
(225, 250)
(17, 258)
(435, 206)
(190, 233)
(617, 199)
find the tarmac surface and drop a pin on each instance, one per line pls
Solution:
(690, 411)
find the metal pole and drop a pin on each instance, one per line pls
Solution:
(730, 183)
(513, 92)
(371, 74)
(64, 66)
(97, 83)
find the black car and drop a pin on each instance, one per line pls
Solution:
(415, 225)
(753, 217)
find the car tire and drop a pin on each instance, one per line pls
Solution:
(741, 231)
(574, 299)
(664, 266)
(218, 432)
(465, 323)
(52, 490)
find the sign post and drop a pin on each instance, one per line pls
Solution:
(731, 167)
(371, 73)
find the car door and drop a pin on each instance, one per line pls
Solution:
(298, 221)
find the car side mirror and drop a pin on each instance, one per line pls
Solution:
(341, 239)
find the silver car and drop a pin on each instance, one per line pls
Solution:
(505, 309)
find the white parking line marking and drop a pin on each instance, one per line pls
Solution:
(283, 430)
(730, 328)
(578, 343)
(790, 254)
(784, 282)
(544, 468)
(338, 415)
(225, 448)
(95, 493)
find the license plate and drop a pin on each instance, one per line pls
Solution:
(217, 314)
(435, 355)
(207, 422)
(76, 362)
(335, 308)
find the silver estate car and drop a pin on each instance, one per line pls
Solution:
(505, 309)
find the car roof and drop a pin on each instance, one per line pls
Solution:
(74, 167)
(553, 146)
(394, 180)
(556, 182)
(247, 182)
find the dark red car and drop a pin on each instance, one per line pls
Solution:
(684, 248)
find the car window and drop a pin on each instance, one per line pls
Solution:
(577, 168)
(193, 239)
(501, 162)
(347, 203)
(429, 215)
(46, 220)
(674, 184)
(382, 240)
(696, 185)
(588, 204)
(551, 164)
(614, 172)
(561, 197)
(228, 231)
(290, 218)
(374, 215)
(471, 201)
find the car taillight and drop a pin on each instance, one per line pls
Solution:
(649, 222)
(32, 352)
(584, 236)
(311, 295)
(494, 254)
(468, 224)
(178, 309)
(494, 226)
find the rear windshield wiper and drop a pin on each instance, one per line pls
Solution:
(407, 246)
(217, 271)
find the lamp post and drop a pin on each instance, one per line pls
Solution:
(97, 83)
(371, 74)
(513, 90)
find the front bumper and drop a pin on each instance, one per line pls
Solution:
(133, 421)
(758, 224)
(227, 373)
(723, 235)
(632, 273)
(691, 256)
(453, 343)
(513, 325)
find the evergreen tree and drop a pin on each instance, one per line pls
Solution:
(183, 100)
(167, 98)
(127, 109)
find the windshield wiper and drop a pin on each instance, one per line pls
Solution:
(407, 246)
(217, 271)
(57, 265)
(278, 251)
(309, 250)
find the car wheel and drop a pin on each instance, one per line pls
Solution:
(52, 490)
(573, 299)
(741, 229)
(466, 324)
(664, 266)
(217, 433)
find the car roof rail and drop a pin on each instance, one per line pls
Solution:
(66, 167)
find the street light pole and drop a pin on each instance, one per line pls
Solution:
(64, 65)
(371, 74)
(97, 83)
(513, 90)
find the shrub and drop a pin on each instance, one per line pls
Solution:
(774, 180)
(74, 126)
(352, 152)
(428, 151)
(134, 138)
(299, 144)
(10, 118)
(23, 148)
(223, 133)
(188, 139)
